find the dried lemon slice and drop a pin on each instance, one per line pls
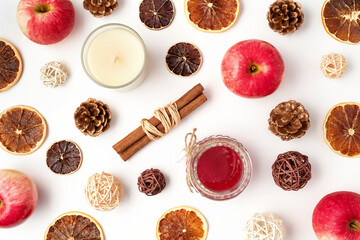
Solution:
(74, 226)
(182, 223)
(342, 129)
(10, 65)
(22, 130)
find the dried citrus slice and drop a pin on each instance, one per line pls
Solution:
(182, 223)
(342, 129)
(64, 157)
(341, 20)
(212, 15)
(74, 226)
(156, 14)
(10, 65)
(22, 130)
(183, 59)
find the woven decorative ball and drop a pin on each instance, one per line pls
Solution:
(333, 65)
(151, 182)
(265, 227)
(53, 74)
(291, 171)
(103, 191)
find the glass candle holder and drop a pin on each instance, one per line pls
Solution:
(226, 164)
(114, 56)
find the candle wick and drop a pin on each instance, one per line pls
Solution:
(116, 59)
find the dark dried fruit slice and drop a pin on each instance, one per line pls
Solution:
(341, 20)
(22, 130)
(10, 65)
(156, 14)
(74, 226)
(64, 157)
(342, 129)
(212, 15)
(182, 223)
(183, 59)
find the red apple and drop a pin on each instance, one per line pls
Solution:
(337, 217)
(46, 21)
(252, 68)
(18, 197)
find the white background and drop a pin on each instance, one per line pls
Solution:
(224, 113)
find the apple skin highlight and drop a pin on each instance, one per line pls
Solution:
(337, 217)
(46, 21)
(252, 68)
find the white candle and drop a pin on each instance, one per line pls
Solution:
(115, 56)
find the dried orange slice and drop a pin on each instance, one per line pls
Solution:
(74, 226)
(22, 130)
(183, 59)
(342, 129)
(10, 65)
(156, 14)
(182, 223)
(212, 15)
(64, 157)
(341, 19)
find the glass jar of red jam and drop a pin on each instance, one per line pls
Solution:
(220, 167)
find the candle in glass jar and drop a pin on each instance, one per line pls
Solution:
(115, 56)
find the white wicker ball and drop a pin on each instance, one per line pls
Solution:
(333, 65)
(265, 227)
(103, 191)
(53, 74)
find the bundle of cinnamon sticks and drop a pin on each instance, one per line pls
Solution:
(138, 139)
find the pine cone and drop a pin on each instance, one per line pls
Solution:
(289, 120)
(92, 117)
(285, 16)
(100, 8)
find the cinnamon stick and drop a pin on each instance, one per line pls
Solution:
(142, 142)
(138, 133)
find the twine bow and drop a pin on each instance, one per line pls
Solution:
(190, 141)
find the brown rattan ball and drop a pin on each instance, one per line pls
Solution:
(291, 171)
(151, 182)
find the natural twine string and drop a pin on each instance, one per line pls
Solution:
(333, 65)
(103, 191)
(167, 120)
(190, 141)
(53, 74)
(265, 227)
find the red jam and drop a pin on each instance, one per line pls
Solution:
(219, 168)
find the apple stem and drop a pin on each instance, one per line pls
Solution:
(42, 8)
(1, 204)
(354, 225)
(253, 68)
